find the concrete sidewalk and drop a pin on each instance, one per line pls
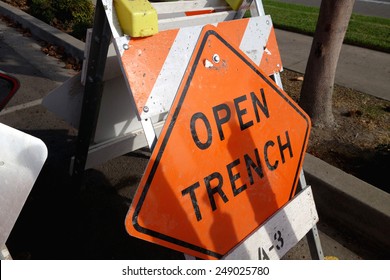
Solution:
(362, 69)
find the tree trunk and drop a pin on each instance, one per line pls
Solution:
(317, 88)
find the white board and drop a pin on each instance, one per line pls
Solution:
(281, 232)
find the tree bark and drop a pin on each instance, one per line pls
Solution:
(317, 89)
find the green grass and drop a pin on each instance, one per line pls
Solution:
(364, 31)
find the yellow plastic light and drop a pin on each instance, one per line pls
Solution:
(235, 4)
(137, 18)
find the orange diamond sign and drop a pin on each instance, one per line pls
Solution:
(228, 157)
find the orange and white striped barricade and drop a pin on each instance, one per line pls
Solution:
(136, 98)
(154, 77)
(184, 200)
(120, 131)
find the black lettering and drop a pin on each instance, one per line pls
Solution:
(201, 145)
(191, 190)
(257, 104)
(241, 112)
(267, 162)
(262, 254)
(234, 177)
(282, 147)
(250, 164)
(278, 237)
(221, 120)
(124, 272)
(218, 189)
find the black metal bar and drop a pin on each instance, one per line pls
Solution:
(242, 9)
(101, 36)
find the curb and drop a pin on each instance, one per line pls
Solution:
(43, 31)
(342, 200)
(350, 204)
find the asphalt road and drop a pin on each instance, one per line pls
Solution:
(376, 8)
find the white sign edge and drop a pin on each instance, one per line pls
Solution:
(280, 232)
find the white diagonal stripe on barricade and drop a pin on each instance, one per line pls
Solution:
(172, 72)
(255, 38)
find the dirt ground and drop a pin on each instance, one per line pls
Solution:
(360, 142)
